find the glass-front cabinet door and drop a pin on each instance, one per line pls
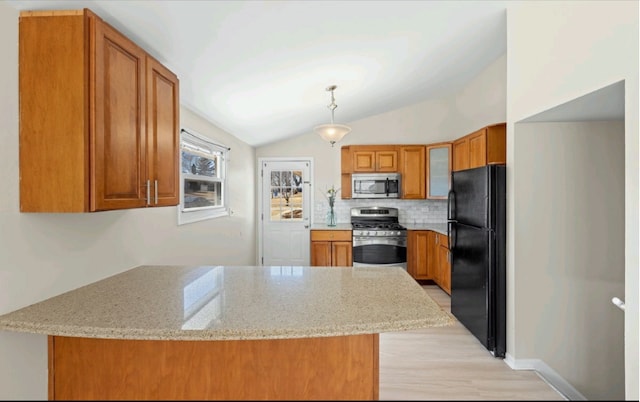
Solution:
(438, 170)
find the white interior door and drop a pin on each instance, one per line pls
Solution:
(285, 212)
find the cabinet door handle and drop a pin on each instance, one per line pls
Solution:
(156, 191)
(148, 191)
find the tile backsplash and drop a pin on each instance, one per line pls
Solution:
(409, 211)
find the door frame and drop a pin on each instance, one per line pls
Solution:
(259, 184)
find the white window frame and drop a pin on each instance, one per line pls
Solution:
(205, 144)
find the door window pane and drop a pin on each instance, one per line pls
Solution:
(286, 195)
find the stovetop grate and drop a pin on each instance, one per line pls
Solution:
(377, 225)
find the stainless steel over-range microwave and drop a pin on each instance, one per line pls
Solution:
(375, 185)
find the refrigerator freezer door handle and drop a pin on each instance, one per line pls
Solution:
(452, 236)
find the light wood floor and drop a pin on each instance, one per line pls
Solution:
(449, 363)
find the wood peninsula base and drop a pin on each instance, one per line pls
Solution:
(329, 368)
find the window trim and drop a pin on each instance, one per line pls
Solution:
(202, 213)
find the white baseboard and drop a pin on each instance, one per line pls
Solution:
(548, 374)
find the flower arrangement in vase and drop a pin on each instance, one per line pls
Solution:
(330, 195)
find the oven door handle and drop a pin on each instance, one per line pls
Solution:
(375, 241)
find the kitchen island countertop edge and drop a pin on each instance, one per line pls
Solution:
(234, 303)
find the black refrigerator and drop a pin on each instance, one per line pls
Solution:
(476, 224)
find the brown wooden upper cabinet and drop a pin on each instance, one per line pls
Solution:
(374, 158)
(483, 147)
(345, 172)
(366, 158)
(412, 168)
(98, 120)
(438, 170)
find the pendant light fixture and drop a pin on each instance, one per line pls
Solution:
(332, 132)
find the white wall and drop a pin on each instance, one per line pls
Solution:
(570, 248)
(42, 255)
(558, 51)
(481, 102)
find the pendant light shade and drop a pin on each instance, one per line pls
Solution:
(332, 132)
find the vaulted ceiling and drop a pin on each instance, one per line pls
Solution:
(259, 69)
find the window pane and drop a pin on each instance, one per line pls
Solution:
(199, 193)
(202, 173)
(200, 165)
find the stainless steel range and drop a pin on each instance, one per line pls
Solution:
(378, 238)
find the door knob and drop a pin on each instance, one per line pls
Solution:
(619, 303)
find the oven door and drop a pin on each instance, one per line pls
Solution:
(375, 251)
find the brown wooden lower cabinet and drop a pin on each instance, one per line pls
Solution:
(443, 262)
(428, 257)
(327, 368)
(331, 248)
(418, 254)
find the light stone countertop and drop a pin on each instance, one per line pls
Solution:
(339, 226)
(235, 302)
(436, 227)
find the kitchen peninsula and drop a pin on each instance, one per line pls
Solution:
(226, 332)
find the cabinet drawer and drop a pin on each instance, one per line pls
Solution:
(330, 235)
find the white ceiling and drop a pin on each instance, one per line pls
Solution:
(259, 69)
